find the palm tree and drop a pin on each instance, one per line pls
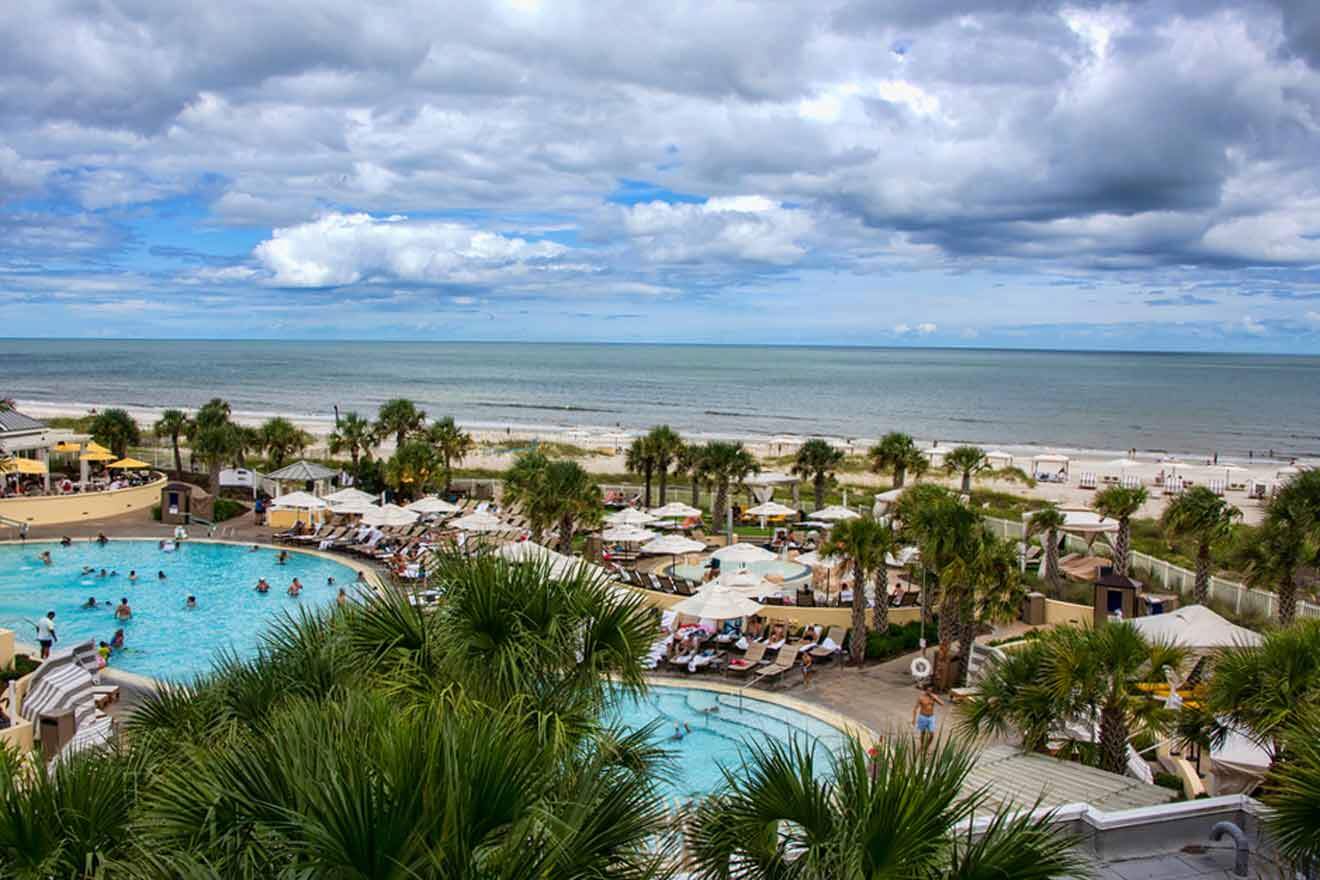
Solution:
(993, 587)
(726, 464)
(281, 438)
(526, 485)
(399, 417)
(412, 470)
(577, 500)
(898, 812)
(217, 445)
(865, 543)
(897, 452)
(817, 460)
(1292, 792)
(1201, 514)
(174, 423)
(1014, 696)
(1120, 503)
(452, 444)
(1047, 521)
(640, 460)
(966, 460)
(691, 461)
(666, 446)
(115, 428)
(1270, 559)
(354, 435)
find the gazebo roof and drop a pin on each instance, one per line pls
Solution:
(13, 420)
(302, 470)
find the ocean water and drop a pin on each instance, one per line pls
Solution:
(163, 639)
(1183, 403)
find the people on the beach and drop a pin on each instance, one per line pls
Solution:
(262, 586)
(923, 715)
(46, 633)
(124, 611)
(191, 603)
(45, 557)
(295, 587)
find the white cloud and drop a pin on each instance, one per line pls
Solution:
(750, 227)
(1253, 327)
(1313, 318)
(925, 328)
(340, 249)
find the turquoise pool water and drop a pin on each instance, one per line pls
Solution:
(789, 571)
(719, 727)
(163, 639)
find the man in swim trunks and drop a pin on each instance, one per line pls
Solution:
(923, 715)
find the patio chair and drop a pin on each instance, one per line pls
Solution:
(836, 635)
(740, 666)
(784, 661)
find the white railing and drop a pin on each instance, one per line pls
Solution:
(1168, 576)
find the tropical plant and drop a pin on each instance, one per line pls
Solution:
(413, 469)
(864, 543)
(692, 462)
(1120, 503)
(640, 459)
(817, 461)
(726, 465)
(6, 404)
(526, 485)
(897, 452)
(451, 443)
(354, 435)
(281, 438)
(1089, 677)
(1288, 539)
(993, 590)
(666, 446)
(173, 424)
(577, 500)
(898, 812)
(1200, 514)
(115, 429)
(215, 440)
(399, 417)
(1046, 522)
(967, 461)
(1292, 792)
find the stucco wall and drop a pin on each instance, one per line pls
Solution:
(50, 510)
(1057, 612)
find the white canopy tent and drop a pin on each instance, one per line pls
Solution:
(1195, 627)
(717, 602)
(763, 485)
(1050, 463)
(998, 458)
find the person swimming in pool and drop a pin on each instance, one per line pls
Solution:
(254, 548)
(342, 599)
(282, 557)
(295, 588)
(330, 581)
(91, 602)
(132, 575)
(681, 730)
(117, 640)
(160, 575)
(66, 541)
(87, 569)
(102, 539)
(262, 586)
(191, 603)
(124, 611)
(102, 573)
(45, 557)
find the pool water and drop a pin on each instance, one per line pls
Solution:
(719, 727)
(789, 571)
(163, 639)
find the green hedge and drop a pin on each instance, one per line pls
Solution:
(899, 639)
(23, 664)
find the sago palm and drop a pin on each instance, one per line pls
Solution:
(413, 469)
(525, 486)
(1120, 503)
(967, 461)
(665, 445)
(1014, 697)
(1202, 515)
(817, 461)
(691, 461)
(1046, 522)
(864, 543)
(577, 500)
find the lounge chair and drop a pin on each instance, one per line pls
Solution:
(834, 637)
(784, 661)
(684, 587)
(740, 666)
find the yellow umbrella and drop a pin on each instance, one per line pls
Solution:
(93, 446)
(22, 466)
(96, 456)
(128, 464)
(66, 446)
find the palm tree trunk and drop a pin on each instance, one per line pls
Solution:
(820, 490)
(947, 633)
(880, 614)
(664, 486)
(213, 469)
(857, 645)
(721, 502)
(1113, 740)
(648, 487)
(1287, 592)
(1052, 562)
(566, 535)
(966, 636)
(967, 482)
(900, 474)
(1202, 589)
(178, 458)
(1121, 544)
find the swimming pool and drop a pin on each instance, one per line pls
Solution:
(163, 639)
(720, 726)
(789, 571)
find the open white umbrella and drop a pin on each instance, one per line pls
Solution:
(353, 507)
(814, 559)
(390, 515)
(834, 513)
(716, 602)
(299, 501)
(629, 516)
(743, 554)
(627, 534)
(431, 504)
(675, 509)
(344, 496)
(748, 583)
(673, 545)
(480, 522)
(771, 508)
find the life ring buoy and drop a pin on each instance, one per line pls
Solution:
(920, 668)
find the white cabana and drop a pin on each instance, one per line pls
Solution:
(1195, 627)
(629, 516)
(675, 509)
(1050, 464)
(480, 522)
(672, 545)
(763, 485)
(834, 513)
(1239, 764)
(717, 602)
(998, 458)
(627, 535)
(299, 501)
(390, 515)
(343, 496)
(432, 505)
(771, 508)
(742, 554)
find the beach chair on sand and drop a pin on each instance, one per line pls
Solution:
(784, 661)
(740, 666)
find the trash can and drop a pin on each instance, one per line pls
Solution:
(54, 731)
(1033, 609)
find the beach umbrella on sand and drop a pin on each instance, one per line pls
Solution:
(480, 522)
(716, 602)
(627, 534)
(676, 509)
(629, 516)
(742, 554)
(834, 513)
(355, 495)
(431, 505)
(390, 515)
(128, 464)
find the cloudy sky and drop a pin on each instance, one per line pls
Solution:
(935, 172)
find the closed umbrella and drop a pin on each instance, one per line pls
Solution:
(432, 505)
(390, 515)
(676, 509)
(716, 602)
(629, 516)
(479, 522)
(627, 534)
(743, 554)
(834, 513)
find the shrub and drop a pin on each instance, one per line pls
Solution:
(23, 664)
(899, 639)
(226, 508)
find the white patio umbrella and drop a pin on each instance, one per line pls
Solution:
(627, 534)
(675, 509)
(716, 602)
(431, 504)
(814, 559)
(344, 496)
(748, 583)
(480, 522)
(390, 515)
(629, 516)
(353, 507)
(771, 508)
(834, 513)
(299, 501)
(672, 545)
(743, 554)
